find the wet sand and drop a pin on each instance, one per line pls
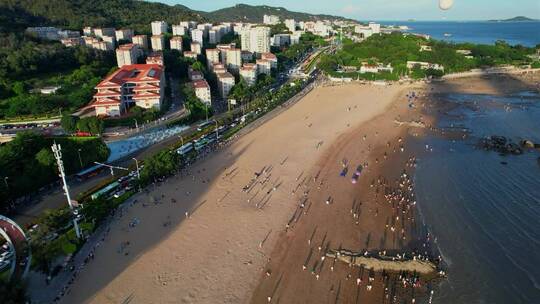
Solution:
(218, 254)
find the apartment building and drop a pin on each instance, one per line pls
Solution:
(141, 41)
(197, 35)
(270, 19)
(270, 57)
(212, 57)
(249, 72)
(290, 24)
(102, 32)
(256, 39)
(127, 54)
(155, 58)
(136, 84)
(179, 30)
(196, 48)
(124, 34)
(264, 66)
(202, 91)
(225, 83)
(159, 28)
(233, 59)
(158, 42)
(176, 43)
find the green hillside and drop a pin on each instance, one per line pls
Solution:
(249, 13)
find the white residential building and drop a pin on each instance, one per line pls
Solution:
(124, 34)
(212, 58)
(141, 41)
(176, 43)
(249, 72)
(190, 54)
(179, 30)
(270, 19)
(424, 65)
(256, 39)
(264, 66)
(375, 27)
(202, 91)
(225, 83)
(290, 24)
(270, 57)
(158, 42)
(189, 24)
(233, 59)
(196, 48)
(159, 28)
(102, 32)
(110, 41)
(197, 35)
(127, 54)
(295, 37)
(281, 40)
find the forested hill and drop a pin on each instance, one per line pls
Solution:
(76, 14)
(16, 15)
(249, 13)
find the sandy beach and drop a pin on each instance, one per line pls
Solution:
(219, 253)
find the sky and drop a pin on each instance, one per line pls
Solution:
(366, 10)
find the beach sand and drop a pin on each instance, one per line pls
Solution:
(220, 252)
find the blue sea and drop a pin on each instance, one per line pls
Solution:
(483, 32)
(482, 207)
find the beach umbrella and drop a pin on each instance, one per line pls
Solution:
(446, 4)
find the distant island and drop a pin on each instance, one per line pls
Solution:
(515, 19)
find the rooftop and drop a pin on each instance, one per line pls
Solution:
(132, 73)
(198, 84)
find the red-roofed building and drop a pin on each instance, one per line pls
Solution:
(270, 57)
(135, 84)
(202, 91)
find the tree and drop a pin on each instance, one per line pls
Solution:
(93, 125)
(12, 292)
(69, 123)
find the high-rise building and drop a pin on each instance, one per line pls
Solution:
(179, 30)
(197, 35)
(176, 43)
(234, 59)
(249, 72)
(256, 39)
(124, 34)
(196, 48)
(189, 24)
(270, 19)
(264, 66)
(225, 83)
(212, 58)
(270, 57)
(141, 41)
(101, 32)
(110, 41)
(127, 54)
(159, 27)
(158, 42)
(290, 24)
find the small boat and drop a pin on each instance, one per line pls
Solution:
(447, 35)
(344, 171)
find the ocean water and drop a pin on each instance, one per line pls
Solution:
(485, 215)
(483, 32)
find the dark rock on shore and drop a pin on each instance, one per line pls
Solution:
(500, 144)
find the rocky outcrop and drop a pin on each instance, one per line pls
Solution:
(500, 144)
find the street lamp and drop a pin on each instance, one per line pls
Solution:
(181, 139)
(138, 172)
(217, 135)
(136, 124)
(80, 159)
